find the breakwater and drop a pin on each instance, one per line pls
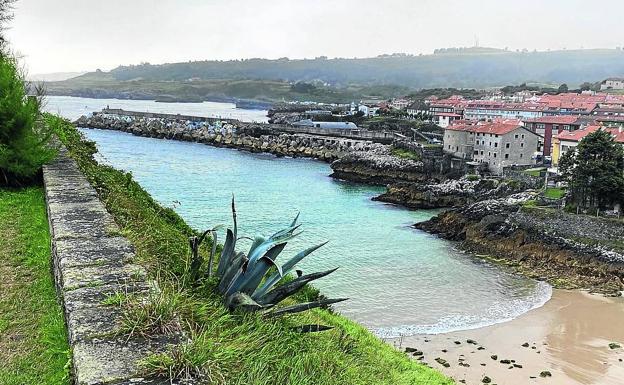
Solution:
(253, 137)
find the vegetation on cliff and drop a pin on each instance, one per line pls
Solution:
(226, 347)
(33, 340)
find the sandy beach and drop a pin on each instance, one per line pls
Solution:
(568, 337)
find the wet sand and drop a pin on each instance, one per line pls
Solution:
(569, 337)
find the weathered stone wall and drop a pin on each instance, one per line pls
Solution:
(90, 263)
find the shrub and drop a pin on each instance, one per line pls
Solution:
(24, 138)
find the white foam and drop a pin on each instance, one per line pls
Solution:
(499, 313)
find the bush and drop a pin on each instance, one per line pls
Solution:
(24, 139)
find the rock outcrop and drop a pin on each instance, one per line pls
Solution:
(448, 193)
(567, 250)
(378, 166)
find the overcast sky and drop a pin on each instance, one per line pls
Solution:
(81, 35)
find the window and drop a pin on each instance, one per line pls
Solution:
(476, 152)
(495, 145)
(566, 127)
(449, 146)
(522, 136)
(516, 136)
(522, 145)
(481, 152)
(521, 155)
(495, 155)
(506, 156)
(506, 145)
(489, 153)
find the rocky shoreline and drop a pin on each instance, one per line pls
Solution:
(378, 167)
(569, 251)
(448, 193)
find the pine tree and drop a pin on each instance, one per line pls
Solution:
(595, 171)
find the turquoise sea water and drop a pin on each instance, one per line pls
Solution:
(399, 280)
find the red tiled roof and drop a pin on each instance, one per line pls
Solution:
(577, 135)
(554, 119)
(500, 127)
(618, 134)
(495, 128)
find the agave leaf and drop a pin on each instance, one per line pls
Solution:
(213, 251)
(257, 241)
(253, 278)
(312, 328)
(304, 306)
(266, 246)
(195, 259)
(226, 253)
(248, 279)
(286, 268)
(241, 301)
(285, 232)
(278, 294)
(294, 222)
(235, 265)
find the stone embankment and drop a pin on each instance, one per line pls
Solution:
(245, 136)
(91, 262)
(449, 193)
(567, 250)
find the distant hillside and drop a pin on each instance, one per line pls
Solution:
(54, 76)
(474, 68)
(345, 79)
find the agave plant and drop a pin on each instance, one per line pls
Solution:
(255, 281)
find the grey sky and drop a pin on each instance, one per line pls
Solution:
(76, 35)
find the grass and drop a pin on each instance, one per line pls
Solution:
(534, 171)
(405, 154)
(554, 193)
(228, 347)
(33, 341)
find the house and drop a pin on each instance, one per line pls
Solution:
(445, 111)
(494, 109)
(612, 84)
(400, 103)
(547, 126)
(566, 141)
(503, 145)
(612, 115)
(418, 108)
(499, 144)
(459, 140)
(368, 109)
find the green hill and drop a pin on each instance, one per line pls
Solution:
(386, 75)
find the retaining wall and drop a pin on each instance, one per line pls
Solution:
(91, 262)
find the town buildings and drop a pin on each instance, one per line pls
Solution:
(498, 144)
(613, 84)
(568, 140)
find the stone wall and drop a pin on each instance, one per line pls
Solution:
(91, 262)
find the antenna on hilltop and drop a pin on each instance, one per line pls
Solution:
(476, 41)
